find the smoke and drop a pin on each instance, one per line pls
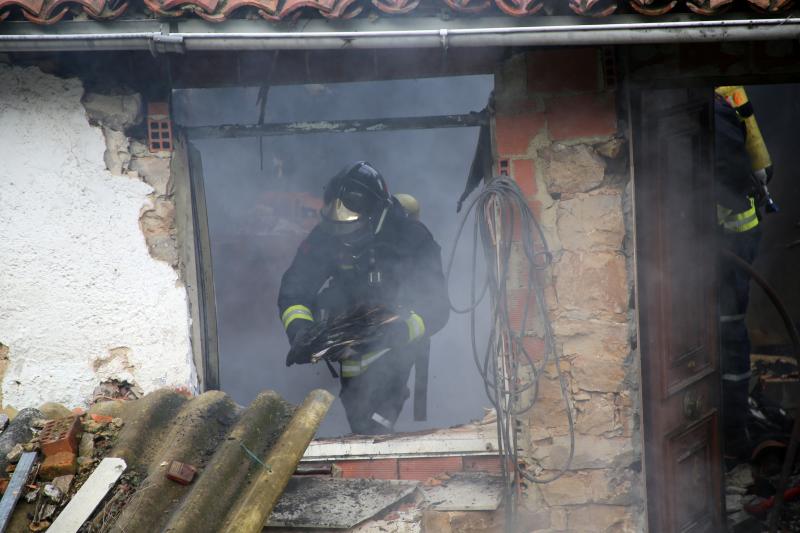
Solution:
(250, 183)
(777, 110)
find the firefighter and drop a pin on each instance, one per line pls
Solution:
(368, 250)
(743, 168)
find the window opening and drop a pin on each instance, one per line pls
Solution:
(258, 217)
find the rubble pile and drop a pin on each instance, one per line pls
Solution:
(68, 445)
(750, 498)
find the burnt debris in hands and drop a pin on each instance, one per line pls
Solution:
(342, 335)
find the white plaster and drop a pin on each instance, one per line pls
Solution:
(76, 279)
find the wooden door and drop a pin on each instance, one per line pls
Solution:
(675, 225)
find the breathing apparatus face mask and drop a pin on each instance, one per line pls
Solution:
(354, 201)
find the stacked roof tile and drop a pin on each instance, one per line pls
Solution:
(52, 11)
(220, 439)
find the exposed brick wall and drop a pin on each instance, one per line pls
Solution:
(558, 132)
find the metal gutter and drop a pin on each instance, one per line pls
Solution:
(447, 34)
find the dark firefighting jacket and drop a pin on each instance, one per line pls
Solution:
(400, 269)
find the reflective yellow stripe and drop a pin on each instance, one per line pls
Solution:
(738, 222)
(294, 312)
(357, 365)
(416, 326)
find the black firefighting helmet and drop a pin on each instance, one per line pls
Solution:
(355, 202)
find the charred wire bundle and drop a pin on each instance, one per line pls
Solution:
(502, 216)
(339, 336)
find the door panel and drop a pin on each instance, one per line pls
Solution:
(673, 169)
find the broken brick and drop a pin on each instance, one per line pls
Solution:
(101, 419)
(59, 464)
(181, 472)
(60, 436)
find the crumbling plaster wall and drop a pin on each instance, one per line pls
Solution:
(85, 297)
(558, 134)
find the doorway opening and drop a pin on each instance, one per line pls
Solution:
(773, 249)
(686, 340)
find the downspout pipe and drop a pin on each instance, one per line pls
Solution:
(556, 35)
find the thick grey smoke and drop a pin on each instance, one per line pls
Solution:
(252, 245)
(777, 109)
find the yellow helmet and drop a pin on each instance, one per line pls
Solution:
(410, 204)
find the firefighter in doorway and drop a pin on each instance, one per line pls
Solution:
(743, 169)
(368, 250)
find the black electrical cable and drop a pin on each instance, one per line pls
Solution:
(502, 217)
(794, 440)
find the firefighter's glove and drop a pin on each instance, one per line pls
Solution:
(299, 354)
(402, 331)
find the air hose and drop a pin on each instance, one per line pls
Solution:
(502, 221)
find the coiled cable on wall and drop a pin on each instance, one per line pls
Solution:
(503, 219)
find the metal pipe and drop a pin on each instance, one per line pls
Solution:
(264, 489)
(570, 34)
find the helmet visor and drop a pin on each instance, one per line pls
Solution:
(339, 221)
(337, 211)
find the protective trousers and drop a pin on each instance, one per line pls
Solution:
(734, 294)
(373, 400)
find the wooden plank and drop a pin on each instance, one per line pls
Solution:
(89, 496)
(228, 131)
(478, 441)
(15, 486)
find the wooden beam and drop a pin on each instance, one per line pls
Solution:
(336, 126)
(15, 487)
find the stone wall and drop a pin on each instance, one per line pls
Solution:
(87, 246)
(558, 134)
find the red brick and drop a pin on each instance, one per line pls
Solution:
(3, 484)
(516, 309)
(565, 69)
(181, 472)
(581, 115)
(423, 468)
(524, 173)
(483, 463)
(102, 419)
(536, 209)
(369, 468)
(60, 435)
(60, 464)
(534, 346)
(514, 132)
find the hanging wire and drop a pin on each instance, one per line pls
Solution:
(501, 216)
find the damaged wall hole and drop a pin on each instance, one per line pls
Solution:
(150, 162)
